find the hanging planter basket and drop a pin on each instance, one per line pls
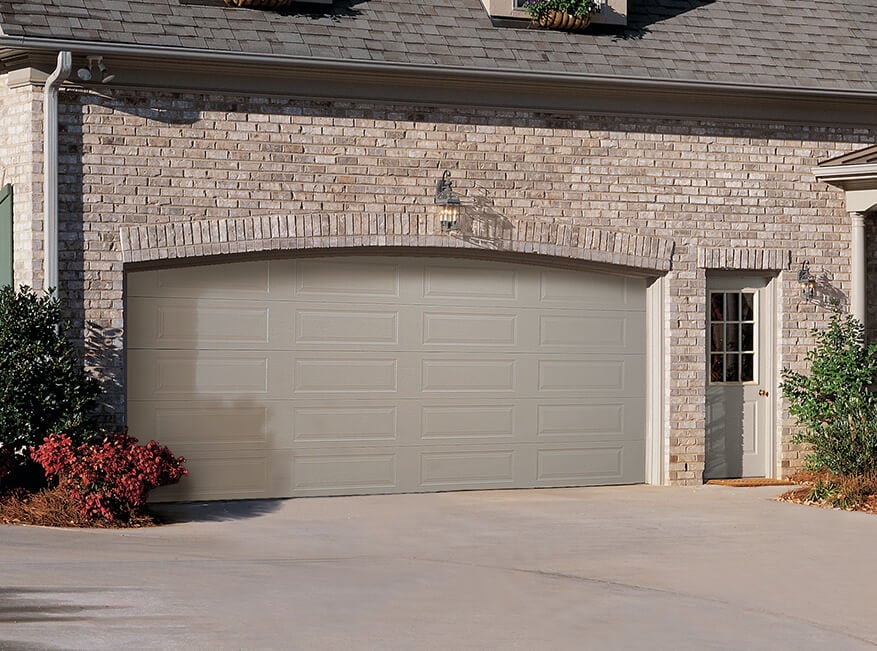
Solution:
(554, 19)
(260, 4)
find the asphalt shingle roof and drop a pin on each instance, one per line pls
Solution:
(822, 44)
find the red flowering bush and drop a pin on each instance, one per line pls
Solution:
(109, 479)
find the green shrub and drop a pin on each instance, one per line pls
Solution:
(834, 405)
(43, 385)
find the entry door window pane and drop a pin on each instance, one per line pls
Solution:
(732, 337)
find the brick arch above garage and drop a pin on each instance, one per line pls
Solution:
(216, 237)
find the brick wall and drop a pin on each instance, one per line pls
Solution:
(169, 158)
(20, 165)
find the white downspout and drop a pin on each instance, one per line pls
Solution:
(50, 169)
(857, 303)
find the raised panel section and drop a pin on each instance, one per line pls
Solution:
(339, 472)
(318, 278)
(467, 375)
(247, 279)
(750, 427)
(580, 420)
(206, 424)
(200, 326)
(344, 375)
(580, 332)
(346, 327)
(456, 281)
(475, 468)
(242, 476)
(340, 424)
(578, 465)
(586, 375)
(174, 374)
(581, 289)
(468, 329)
(466, 422)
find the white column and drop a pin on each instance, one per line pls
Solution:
(857, 298)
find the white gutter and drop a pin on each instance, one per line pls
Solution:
(50, 169)
(838, 174)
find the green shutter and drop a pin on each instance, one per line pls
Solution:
(6, 235)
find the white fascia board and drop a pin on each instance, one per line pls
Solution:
(842, 175)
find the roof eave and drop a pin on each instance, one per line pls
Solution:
(848, 177)
(20, 44)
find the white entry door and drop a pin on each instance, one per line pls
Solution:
(739, 375)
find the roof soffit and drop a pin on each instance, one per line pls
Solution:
(854, 171)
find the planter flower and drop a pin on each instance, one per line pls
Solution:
(569, 15)
(260, 4)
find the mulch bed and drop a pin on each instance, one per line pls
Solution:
(808, 480)
(51, 507)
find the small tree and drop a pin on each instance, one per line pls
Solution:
(834, 405)
(43, 385)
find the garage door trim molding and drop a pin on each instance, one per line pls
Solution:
(203, 238)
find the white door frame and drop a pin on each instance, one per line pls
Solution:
(768, 337)
(657, 448)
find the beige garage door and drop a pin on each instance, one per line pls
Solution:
(348, 375)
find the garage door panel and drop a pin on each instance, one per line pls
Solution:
(181, 422)
(212, 374)
(601, 291)
(339, 280)
(466, 375)
(610, 332)
(467, 469)
(454, 281)
(332, 423)
(214, 425)
(591, 421)
(182, 373)
(205, 324)
(331, 376)
(619, 375)
(249, 281)
(575, 465)
(357, 327)
(474, 329)
(243, 476)
(342, 472)
(345, 375)
(472, 423)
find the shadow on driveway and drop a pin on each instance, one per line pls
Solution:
(180, 512)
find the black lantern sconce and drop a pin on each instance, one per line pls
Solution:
(807, 281)
(448, 202)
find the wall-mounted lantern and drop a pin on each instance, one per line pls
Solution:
(448, 202)
(807, 281)
(96, 70)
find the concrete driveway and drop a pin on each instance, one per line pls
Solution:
(596, 568)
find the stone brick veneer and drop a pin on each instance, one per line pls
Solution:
(153, 177)
(20, 165)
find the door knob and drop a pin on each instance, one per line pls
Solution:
(762, 392)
